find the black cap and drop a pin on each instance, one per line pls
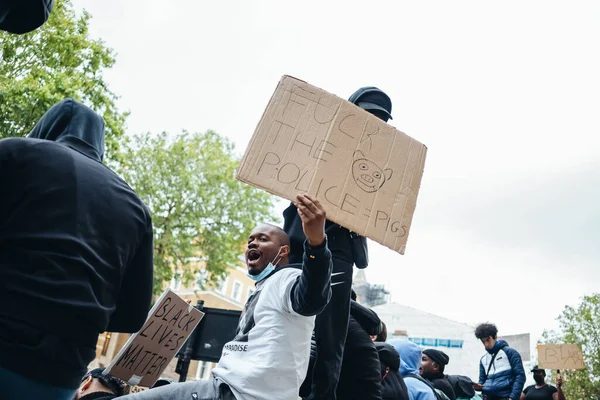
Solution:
(373, 100)
(537, 368)
(437, 356)
(118, 386)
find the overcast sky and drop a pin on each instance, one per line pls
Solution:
(506, 95)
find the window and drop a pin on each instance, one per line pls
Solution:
(221, 285)
(237, 291)
(176, 281)
(432, 342)
(203, 370)
(251, 291)
(201, 277)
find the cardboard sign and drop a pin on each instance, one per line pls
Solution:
(147, 353)
(365, 173)
(560, 356)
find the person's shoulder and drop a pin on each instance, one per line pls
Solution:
(511, 353)
(441, 382)
(282, 276)
(528, 388)
(552, 389)
(13, 143)
(290, 271)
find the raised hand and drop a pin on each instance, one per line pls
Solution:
(313, 218)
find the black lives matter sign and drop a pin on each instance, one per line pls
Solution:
(147, 353)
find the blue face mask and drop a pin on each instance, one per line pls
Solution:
(267, 271)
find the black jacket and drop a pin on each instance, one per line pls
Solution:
(344, 245)
(359, 377)
(76, 254)
(441, 382)
(22, 16)
(392, 383)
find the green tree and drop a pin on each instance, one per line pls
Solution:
(56, 61)
(198, 207)
(581, 325)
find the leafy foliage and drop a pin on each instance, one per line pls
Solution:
(199, 210)
(581, 325)
(56, 61)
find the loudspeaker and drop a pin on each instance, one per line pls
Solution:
(218, 327)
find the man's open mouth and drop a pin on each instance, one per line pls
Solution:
(253, 255)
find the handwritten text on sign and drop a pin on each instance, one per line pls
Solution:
(146, 354)
(366, 173)
(560, 356)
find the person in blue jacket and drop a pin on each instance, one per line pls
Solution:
(501, 373)
(410, 361)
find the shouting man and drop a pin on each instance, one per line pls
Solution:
(268, 358)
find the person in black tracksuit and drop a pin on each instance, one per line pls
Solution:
(347, 249)
(76, 253)
(359, 376)
(22, 16)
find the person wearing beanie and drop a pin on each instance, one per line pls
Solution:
(348, 249)
(433, 363)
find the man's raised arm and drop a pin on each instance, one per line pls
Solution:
(312, 291)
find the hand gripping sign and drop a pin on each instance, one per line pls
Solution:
(147, 353)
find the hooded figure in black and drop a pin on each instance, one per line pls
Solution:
(76, 256)
(348, 249)
(359, 376)
(22, 16)
(392, 383)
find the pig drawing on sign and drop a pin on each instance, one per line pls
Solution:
(368, 175)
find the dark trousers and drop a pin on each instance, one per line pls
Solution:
(331, 327)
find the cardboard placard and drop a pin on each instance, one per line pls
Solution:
(560, 356)
(147, 353)
(365, 173)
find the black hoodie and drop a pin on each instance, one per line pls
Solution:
(75, 248)
(359, 376)
(392, 383)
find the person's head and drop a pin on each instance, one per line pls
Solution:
(382, 337)
(74, 124)
(95, 382)
(267, 244)
(539, 375)
(433, 363)
(487, 333)
(410, 356)
(373, 100)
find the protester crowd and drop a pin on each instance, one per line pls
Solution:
(76, 259)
